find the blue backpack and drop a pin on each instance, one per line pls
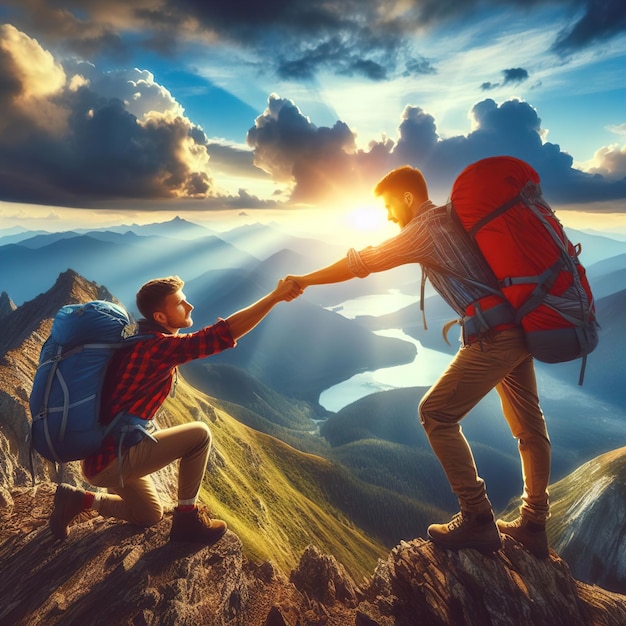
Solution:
(66, 394)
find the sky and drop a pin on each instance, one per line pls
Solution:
(117, 111)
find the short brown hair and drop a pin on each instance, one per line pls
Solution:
(405, 178)
(152, 294)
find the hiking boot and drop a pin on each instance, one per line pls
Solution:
(68, 503)
(196, 526)
(531, 535)
(467, 530)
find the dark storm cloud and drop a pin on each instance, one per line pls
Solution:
(294, 38)
(323, 164)
(361, 31)
(347, 37)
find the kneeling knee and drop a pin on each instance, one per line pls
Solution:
(203, 432)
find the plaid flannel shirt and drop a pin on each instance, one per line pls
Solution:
(139, 378)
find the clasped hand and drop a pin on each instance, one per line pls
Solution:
(288, 289)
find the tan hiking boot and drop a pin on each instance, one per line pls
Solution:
(467, 530)
(196, 526)
(530, 534)
(68, 503)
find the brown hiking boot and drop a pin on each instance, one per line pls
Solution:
(530, 534)
(467, 530)
(196, 526)
(68, 503)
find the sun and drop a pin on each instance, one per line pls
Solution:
(366, 218)
(370, 222)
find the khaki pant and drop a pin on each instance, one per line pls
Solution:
(137, 500)
(503, 362)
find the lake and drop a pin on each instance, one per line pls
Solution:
(423, 371)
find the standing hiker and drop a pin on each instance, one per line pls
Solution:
(138, 380)
(494, 354)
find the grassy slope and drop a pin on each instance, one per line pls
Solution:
(273, 496)
(567, 492)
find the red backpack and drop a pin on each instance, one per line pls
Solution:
(499, 204)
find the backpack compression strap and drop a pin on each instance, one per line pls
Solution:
(531, 195)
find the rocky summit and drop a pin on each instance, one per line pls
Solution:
(109, 572)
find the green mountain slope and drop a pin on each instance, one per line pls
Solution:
(588, 523)
(278, 499)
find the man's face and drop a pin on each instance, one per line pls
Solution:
(176, 312)
(398, 207)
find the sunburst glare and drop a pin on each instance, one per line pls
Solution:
(369, 223)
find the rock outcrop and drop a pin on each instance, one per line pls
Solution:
(108, 572)
(7, 305)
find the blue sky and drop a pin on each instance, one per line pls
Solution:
(209, 107)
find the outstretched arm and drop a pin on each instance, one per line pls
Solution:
(245, 320)
(336, 273)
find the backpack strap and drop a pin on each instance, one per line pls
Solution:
(122, 425)
(484, 320)
(44, 414)
(530, 195)
(544, 281)
(491, 216)
(531, 190)
(422, 305)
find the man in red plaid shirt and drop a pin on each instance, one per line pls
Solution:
(139, 379)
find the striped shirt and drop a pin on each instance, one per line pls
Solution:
(139, 378)
(436, 240)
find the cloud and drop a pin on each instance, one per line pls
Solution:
(292, 149)
(609, 162)
(298, 39)
(92, 28)
(321, 163)
(514, 75)
(74, 136)
(618, 130)
(31, 81)
(600, 20)
(136, 88)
